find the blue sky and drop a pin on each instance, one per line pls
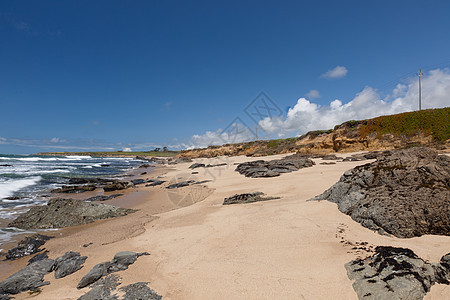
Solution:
(99, 75)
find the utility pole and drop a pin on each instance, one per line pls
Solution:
(420, 74)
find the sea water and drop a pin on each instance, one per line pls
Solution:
(26, 180)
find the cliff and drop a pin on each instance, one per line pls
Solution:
(429, 128)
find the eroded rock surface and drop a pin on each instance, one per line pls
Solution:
(28, 246)
(139, 290)
(405, 193)
(272, 168)
(29, 278)
(68, 263)
(396, 273)
(247, 198)
(60, 213)
(120, 262)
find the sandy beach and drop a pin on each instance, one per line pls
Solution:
(288, 248)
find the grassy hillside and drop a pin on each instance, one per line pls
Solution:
(429, 127)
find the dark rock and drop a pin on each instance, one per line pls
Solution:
(180, 184)
(105, 165)
(102, 289)
(5, 165)
(29, 278)
(216, 165)
(328, 163)
(120, 262)
(202, 182)
(102, 198)
(247, 198)
(12, 198)
(197, 165)
(66, 212)
(139, 290)
(395, 273)
(406, 193)
(155, 182)
(118, 185)
(28, 246)
(68, 263)
(75, 189)
(87, 245)
(261, 168)
(331, 157)
(138, 181)
(143, 173)
(144, 166)
(37, 257)
(194, 173)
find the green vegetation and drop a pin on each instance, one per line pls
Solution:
(431, 121)
(114, 153)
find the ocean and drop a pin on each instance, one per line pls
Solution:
(26, 181)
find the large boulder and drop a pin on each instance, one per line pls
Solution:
(29, 278)
(395, 273)
(67, 264)
(405, 193)
(118, 185)
(60, 213)
(272, 168)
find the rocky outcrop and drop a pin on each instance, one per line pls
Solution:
(69, 189)
(28, 246)
(396, 273)
(103, 289)
(120, 262)
(272, 168)
(405, 193)
(197, 165)
(139, 290)
(68, 263)
(247, 198)
(155, 182)
(60, 213)
(102, 198)
(180, 184)
(378, 134)
(29, 278)
(118, 185)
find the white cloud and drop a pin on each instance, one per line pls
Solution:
(305, 116)
(313, 94)
(126, 149)
(337, 72)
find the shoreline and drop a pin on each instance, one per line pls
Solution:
(202, 249)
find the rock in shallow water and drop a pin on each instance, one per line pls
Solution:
(395, 273)
(60, 213)
(405, 193)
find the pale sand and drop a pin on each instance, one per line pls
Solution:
(283, 249)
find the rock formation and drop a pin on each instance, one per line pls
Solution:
(405, 193)
(247, 198)
(396, 273)
(272, 168)
(60, 213)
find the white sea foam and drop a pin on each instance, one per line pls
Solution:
(79, 156)
(8, 187)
